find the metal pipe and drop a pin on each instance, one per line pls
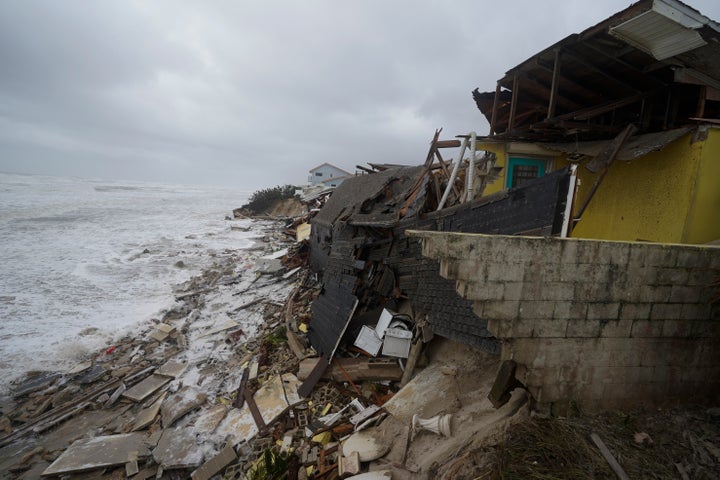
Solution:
(453, 175)
(471, 166)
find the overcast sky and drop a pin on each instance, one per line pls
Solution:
(254, 94)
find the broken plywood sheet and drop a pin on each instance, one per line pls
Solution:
(177, 448)
(184, 401)
(276, 396)
(147, 387)
(147, 416)
(273, 398)
(88, 454)
(172, 368)
(208, 421)
(238, 425)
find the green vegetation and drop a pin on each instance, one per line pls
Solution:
(262, 200)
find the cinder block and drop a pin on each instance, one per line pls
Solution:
(536, 309)
(473, 270)
(665, 311)
(646, 329)
(613, 253)
(671, 276)
(537, 272)
(684, 294)
(483, 291)
(553, 328)
(603, 311)
(695, 311)
(705, 329)
(616, 328)
(557, 291)
(501, 309)
(689, 257)
(655, 293)
(587, 251)
(701, 276)
(661, 255)
(501, 272)
(570, 310)
(677, 328)
(582, 329)
(513, 290)
(594, 292)
(635, 311)
(638, 251)
(520, 328)
(569, 251)
(449, 268)
(627, 357)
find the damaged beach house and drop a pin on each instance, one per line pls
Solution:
(574, 241)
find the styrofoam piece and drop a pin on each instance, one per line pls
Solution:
(368, 340)
(384, 322)
(397, 343)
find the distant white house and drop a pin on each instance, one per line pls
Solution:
(328, 175)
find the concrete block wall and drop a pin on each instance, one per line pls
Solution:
(607, 324)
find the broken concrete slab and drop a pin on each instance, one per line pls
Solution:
(238, 425)
(172, 368)
(269, 266)
(147, 416)
(184, 401)
(147, 387)
(349, 465)
(225, 457)
(272, 399)
(177, 448)
(208, 421)
(106, 451)
(162, 332)
(227, 325)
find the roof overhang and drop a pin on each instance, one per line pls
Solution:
(668, 29)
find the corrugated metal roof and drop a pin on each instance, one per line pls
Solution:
(658, 34)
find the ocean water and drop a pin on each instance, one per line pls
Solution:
(86, 261)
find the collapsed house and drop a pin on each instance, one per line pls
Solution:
(609, 136)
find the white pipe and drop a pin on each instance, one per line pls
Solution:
(471, 166)
(453, 175)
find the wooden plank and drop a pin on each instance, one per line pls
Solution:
(255, 411)
(317, 372)
(295, 344)
(605, 159)
(240, 397)
(554, 85)
(224, 458)
(513, 104)
(493, 116)
(609, 457)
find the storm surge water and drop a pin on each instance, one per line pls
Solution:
(85, 261)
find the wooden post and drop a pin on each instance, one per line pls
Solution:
(493, 116)
(513, 105)
(611, 151)
(554, 86)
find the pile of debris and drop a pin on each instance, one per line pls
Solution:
(208, 389)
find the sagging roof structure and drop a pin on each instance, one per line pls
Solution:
(655, 64)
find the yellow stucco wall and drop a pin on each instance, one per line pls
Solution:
(668, 196)
(703, 220)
